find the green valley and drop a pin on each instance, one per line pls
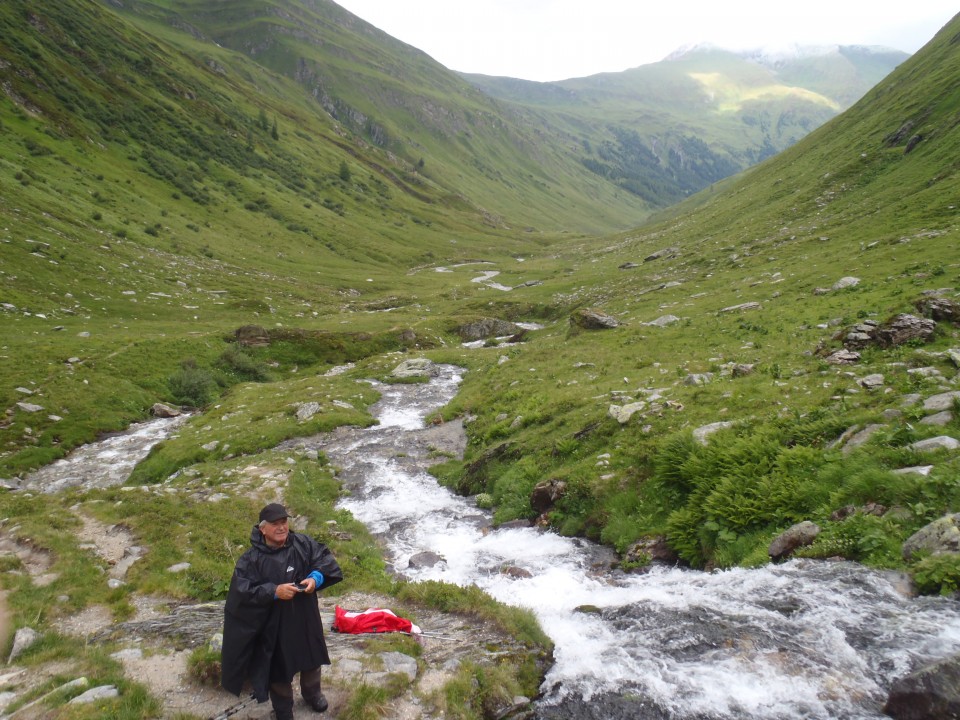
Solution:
(176, 175)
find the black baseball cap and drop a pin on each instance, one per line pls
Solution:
(273, 512)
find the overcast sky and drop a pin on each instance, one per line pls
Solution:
(560, 39)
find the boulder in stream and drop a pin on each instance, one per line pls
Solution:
(487, 327)
(931, 692)
(414, 367)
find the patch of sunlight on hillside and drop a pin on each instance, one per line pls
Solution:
(730, 96)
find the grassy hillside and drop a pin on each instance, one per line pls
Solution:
(668, 129)
(849, 200)
(385, 95)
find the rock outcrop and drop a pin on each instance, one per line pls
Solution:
(801, 534)
(931, 692)
(593, 319)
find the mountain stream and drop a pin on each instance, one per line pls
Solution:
(802, 639)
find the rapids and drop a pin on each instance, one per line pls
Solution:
(802, 639)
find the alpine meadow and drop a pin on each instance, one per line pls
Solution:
(684, 327)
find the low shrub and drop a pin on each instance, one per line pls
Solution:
(938, 574)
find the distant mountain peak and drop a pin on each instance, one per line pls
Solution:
(771, 55)
(690, 49)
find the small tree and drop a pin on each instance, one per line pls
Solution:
(273, 131)
(344, 171)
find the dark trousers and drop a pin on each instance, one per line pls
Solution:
(281, 693)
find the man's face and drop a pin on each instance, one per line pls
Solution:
(275, 532)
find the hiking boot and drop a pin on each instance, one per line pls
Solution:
(319, 703)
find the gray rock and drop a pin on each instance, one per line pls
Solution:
(871, 382)
(664, 253)
(29, 407)
(623, 413)
(860, 437)
(127, 654)
(932, 692)
(925, 372)
(904, 328)
(743, 369)
(101, 692)
(516, 572)
(23, 639)
(843, 357)
(162, 410)
(6, 698)
(424, 560)
(940, 308)
(941, 442)
(487, 327)
(704, 431)
(651, 549)
(742, 307)
(593, 319)
(664, 320)
(845, 282)
(414, 367)
(396, 662)
(914, 470)
(940, 536)
(179, 567)
(799, 535)
(698, 379)
(943, 401)
(307, 410)
(940, 419)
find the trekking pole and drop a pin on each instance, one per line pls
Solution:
(233, 709)
(427, 633)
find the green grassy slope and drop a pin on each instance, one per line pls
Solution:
(846, 201)
(388, 95)
(668, 129)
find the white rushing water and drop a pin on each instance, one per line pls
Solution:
(802, 639)
(104, 463)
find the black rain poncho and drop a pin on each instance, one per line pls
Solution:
(257, 627)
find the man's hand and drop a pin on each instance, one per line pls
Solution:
(287, 591)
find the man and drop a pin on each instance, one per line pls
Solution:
(272, 628)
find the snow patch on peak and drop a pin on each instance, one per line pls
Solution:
(691, 48)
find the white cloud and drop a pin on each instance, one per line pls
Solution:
(557, 39)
